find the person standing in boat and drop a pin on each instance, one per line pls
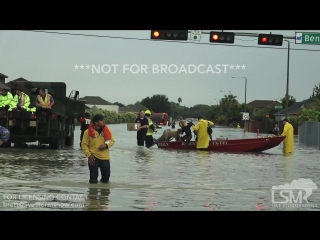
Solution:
(142, 130)
(202, 133)
(288, 142)
(186, 129)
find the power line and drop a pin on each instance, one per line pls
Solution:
(145, 39)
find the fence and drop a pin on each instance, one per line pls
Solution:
(309, 134)
(263, 127)
(267, 126)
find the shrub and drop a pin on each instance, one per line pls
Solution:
(115, 118)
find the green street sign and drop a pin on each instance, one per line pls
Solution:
(278, 107)
(307, 38)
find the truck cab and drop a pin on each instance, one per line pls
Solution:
(160, 118)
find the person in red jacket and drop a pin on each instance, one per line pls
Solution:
(85, 122)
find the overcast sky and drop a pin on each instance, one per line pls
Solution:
(52, 57)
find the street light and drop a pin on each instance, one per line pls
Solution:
(245, 99)
(288, 68)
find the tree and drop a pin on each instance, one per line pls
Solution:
(158, 103)
(213, 113)
(261, 114)
(174, 109)
(228, 102)
(119, 104)
(292, 101)
(222, 120)
(316, 91)
(204, 112)
(311, 114)
(179, 100)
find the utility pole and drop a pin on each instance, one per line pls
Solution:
(288, 69)
(245, 100)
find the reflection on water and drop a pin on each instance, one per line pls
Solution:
(288, 169)
(98, 199)
(156, 179)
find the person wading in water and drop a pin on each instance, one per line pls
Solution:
(142, 131)
(96, 142)
(288, 142)
(151, 130)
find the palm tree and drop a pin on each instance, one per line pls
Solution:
(179, 100)
(228, 101)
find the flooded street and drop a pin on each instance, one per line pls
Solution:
(156, 179)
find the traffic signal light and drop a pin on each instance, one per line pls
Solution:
(181, 35)
(270, 39)
(222, 37)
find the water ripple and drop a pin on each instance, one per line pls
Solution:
(156, 179)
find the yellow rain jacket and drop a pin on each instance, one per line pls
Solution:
(150, 130)
(6, 100)
(288, 142)
(202, 133)
(25, 101)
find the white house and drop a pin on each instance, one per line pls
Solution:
(100, 103)
(110, 108)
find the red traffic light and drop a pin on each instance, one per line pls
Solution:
(215, 37)
(156, 34)
(270, 39)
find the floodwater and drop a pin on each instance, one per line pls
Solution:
(155, 179)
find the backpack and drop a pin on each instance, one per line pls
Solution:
(209, 129)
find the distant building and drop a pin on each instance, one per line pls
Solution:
(259, 107)
(3, 81)
(261, 104)
(20, 79)
(295, 109)
(100, 104)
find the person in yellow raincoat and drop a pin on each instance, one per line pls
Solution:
(288, 142)
(20, 103)
(5, 99)
(202, 133)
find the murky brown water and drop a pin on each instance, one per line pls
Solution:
(155, 179)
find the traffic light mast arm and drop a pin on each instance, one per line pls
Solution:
(250, 35)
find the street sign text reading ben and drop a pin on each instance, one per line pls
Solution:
(308, 38)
